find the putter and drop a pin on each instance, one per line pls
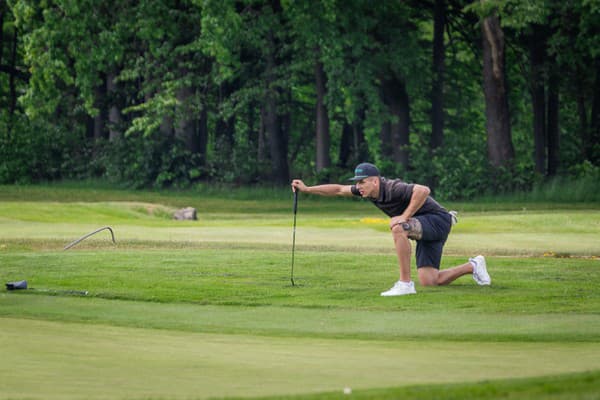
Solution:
(294, 234)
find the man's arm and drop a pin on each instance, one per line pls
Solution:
(417, 199)
(322, 190)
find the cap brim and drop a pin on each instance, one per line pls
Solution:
(358, 177)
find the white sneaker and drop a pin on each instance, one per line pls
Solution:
(401, 288)
(480, 274)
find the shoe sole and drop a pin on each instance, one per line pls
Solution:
(399, 294)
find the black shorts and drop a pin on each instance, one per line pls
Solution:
(436, 228)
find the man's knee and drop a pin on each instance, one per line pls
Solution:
(398, 233)
(428, 282)
(428, 276)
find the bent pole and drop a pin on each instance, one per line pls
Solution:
(67, 247)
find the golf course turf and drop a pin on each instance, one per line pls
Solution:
(205, 309)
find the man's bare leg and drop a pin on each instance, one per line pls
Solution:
(429, 276)
(403, 251)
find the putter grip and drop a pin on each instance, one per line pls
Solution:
(295, 201)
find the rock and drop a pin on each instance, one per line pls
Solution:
(188, 213)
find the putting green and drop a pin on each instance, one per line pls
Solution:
(54, 360)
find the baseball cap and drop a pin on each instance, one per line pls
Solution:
(364, 170)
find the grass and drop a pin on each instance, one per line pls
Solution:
(205, 309)
(71, 359)
(246, 277)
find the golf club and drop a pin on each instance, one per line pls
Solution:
(294, 234)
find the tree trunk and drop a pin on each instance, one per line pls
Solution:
(262, 140)
(13, 75)
(322, 139)
(203, 135)
(225, 131)
(185, 129)
(552, 124)
(100, 119)
(396, 132)
(437, 90)
(191, 129)
(353, 147)
(593, 144)
(2, 13)
(345, 145)
(537, 49)
(360, 148)
(114, 114)
(584, 126)
(277, 147)
(385, 139)
(166, 126)
(277, 144)
(273, 126)
(501, 152)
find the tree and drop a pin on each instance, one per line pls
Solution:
(556, 38)
(500, 147)
(537, 44)
(170, 92)
(323, 160)
(395, 138)
(437, 89)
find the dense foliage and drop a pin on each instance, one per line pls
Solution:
(174, 93)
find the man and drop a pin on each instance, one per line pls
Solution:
(413, 215)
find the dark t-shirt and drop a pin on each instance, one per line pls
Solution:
(394, 197)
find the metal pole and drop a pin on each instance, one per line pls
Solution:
(67, 247)
(294, 234)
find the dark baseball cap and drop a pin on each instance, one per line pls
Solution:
(364, 170)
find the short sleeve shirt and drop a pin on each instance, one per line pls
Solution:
(394, 197)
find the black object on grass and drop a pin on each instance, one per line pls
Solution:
(22, 285)
(16, 285)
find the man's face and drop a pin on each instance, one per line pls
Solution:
(368, 187)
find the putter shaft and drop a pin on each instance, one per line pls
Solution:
(294, 235)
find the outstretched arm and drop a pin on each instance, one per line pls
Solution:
(322, 190)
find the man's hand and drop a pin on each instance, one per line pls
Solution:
(397, 221)
(298, 185)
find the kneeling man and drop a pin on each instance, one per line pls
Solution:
(415, 215)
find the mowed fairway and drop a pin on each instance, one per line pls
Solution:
(205, 309)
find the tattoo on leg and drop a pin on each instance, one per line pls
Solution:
(414, 229)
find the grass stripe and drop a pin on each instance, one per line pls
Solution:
(308, 322)
(68, 360)
(581, 386)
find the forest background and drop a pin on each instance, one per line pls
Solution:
(467, 97)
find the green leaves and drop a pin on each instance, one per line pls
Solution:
(94, 70)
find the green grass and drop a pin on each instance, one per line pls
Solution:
(246, 277)
(205, 309)
(106, 361)
(565, 387)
